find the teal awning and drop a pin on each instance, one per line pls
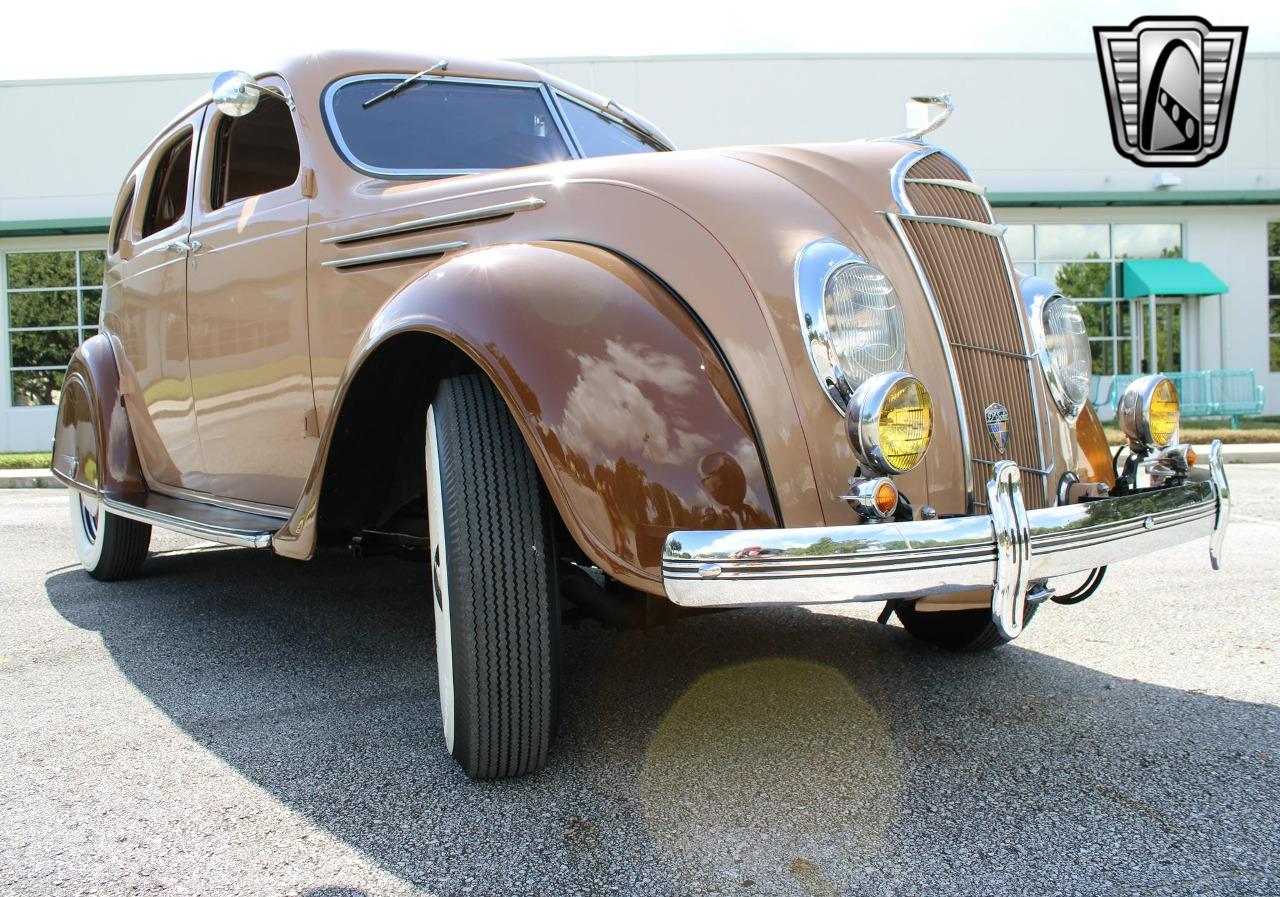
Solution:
(1170, 277)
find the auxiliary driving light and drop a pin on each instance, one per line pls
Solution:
(890, 422)
(1148, 412)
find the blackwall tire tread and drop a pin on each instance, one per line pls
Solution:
(503, 601)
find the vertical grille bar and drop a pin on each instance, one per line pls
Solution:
(968, 276)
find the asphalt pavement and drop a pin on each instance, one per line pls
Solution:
(236, 723)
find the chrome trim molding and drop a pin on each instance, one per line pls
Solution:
(225, 535)
(1036, 293)
(1004, 552)
(991, 230)
(947, 356)
(815, 265)
(967, 186)
(412, 252)
(466, 216)
(897, 176)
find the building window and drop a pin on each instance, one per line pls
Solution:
(1273, 290)
(1084, 260)
(53, 300)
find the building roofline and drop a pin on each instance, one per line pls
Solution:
(1084, 198)
(657, 57)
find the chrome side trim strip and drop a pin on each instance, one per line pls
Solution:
(966, 448)
(465, 216)
(395, 255)
(991, 230)
(967, 186)
(226, 535)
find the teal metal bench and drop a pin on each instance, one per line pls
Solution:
(1230, 393)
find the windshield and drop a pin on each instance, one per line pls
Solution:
(441, 126)
(438, 126)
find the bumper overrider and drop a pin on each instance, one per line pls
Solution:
(1004, 551)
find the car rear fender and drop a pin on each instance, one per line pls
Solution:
(93, 447)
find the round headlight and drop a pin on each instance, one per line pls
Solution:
(851, 317)
(1149, 413)
(890, 422)
(1068, 363)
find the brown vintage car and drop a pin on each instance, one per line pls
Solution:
(469, 312)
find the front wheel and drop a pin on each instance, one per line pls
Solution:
(955, 630)
(493, 585)
(110, 547)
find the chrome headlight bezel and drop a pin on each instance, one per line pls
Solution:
(1037, 293)
(817, 263)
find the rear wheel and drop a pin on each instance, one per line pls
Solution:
(955, 630)
(110, 547)
(493, 588)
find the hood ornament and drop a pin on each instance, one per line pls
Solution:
(997, 418)
(918, 119)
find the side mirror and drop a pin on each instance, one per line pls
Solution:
(236, 93)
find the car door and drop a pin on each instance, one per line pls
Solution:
(152, 318)
(247, 306)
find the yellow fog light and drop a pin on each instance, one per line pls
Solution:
(1148, 412)
(890, 422)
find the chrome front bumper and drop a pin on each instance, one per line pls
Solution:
(1003, 551)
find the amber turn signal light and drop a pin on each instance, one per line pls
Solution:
(873, 499)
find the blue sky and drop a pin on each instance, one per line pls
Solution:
(52, 39)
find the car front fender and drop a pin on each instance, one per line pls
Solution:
(628, 408)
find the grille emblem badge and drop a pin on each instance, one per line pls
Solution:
(997, 417)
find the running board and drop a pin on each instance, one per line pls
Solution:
(195, 519)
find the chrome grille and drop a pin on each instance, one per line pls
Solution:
(968, 276)
(936, 199)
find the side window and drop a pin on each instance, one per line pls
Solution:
(254, 154)
(168, 200)
(600, 135)
(122, 220)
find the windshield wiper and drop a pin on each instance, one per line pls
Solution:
(392, 91)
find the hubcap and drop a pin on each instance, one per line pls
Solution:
(89, 508)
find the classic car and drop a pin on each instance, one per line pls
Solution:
(468, 312)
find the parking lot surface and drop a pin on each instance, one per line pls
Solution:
(236, 723)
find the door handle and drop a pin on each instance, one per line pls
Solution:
(179, 246)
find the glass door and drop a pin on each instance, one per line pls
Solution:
(1165, 348)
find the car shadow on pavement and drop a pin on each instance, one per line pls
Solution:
(770, 751)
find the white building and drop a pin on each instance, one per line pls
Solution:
(1033, 128)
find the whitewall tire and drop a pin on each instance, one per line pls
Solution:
(110, 547)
